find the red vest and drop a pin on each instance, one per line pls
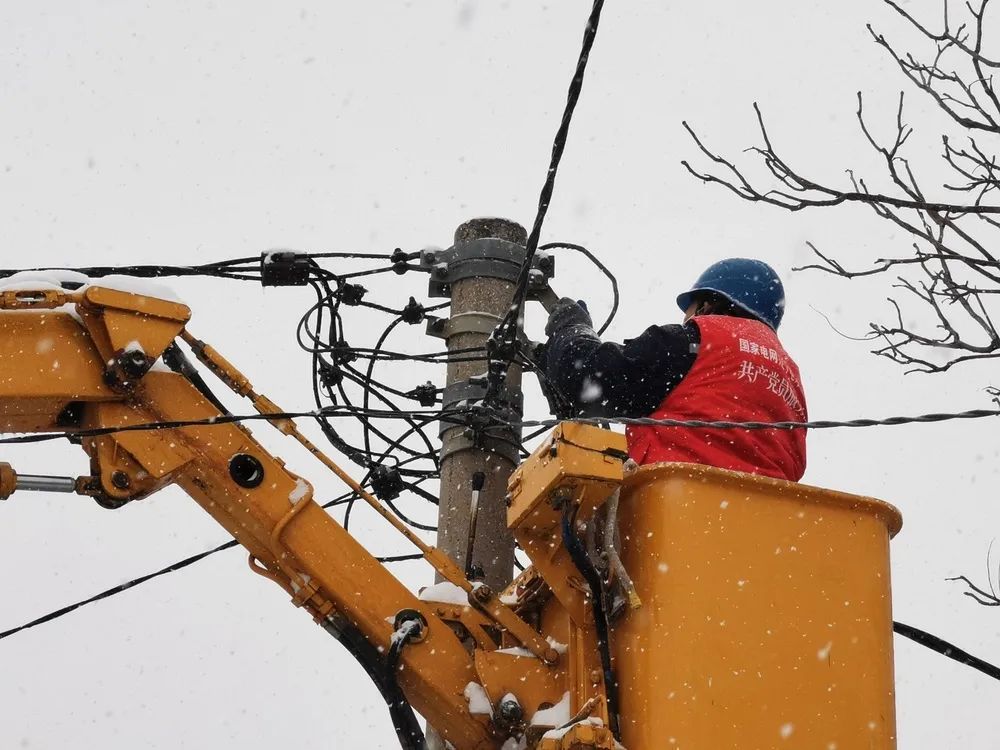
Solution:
(741, 374)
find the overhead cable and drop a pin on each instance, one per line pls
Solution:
(602, 268)
(558, 146)
(172, 568)
(941, 646)
(454, 416)
(818, 424)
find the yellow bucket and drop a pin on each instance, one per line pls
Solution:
(766, 619)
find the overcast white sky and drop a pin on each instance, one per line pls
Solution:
(185, 132)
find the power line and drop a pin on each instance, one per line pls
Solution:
(455, 416)
(558, 146)
(503, 341)
(819, 424)
(172, 568)
(62, 611)
(324, 412)
(941, 646)
(231, 267)
(615, 298)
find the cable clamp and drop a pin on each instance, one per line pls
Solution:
(284, 268)
(351, 294)
(467, 322)
(488, 257)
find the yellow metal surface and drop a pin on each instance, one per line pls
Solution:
(583, 459)
(766, 618)
(8, 481)
(534, 684)
(118, 319)
(577, 465)
(484, 598)
(292, 540)
(48, 361)
(580, 737)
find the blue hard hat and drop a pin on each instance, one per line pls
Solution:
(750, 284)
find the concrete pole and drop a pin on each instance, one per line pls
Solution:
(493, 546)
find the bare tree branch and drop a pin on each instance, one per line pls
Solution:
(945, 35)
(952, 271)
(986, 598)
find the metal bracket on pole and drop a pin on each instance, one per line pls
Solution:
(456, 442)
(470, 393)
(473, 391)
(483, 258)
(468, 322)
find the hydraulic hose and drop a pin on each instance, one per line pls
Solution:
(404, 721)
(578, 554)
(174, 358)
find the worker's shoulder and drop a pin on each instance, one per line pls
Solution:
(672, 331)
(665, 341)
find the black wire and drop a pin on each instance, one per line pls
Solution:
(421, 492)
(820, 424)
(369, 272)
(150, 271)
(408, 521)
(603, 269)
(369, 256)
(408, 730)
(357, 378)
(450, 416)
(454, 416)
(174, 358)
(217, 269)
(377, 384)
(371, 367)
(179, 565)
(944, 648)
(535, 433)
(558, 146)
(559, 404)
(172, 568)
(323, 292)
(327, 300)
(432, 357)
(388, 451)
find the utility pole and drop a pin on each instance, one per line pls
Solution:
(478, 274)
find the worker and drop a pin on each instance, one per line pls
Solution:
(723, 363)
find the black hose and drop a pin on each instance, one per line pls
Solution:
(174, 358)
(404, 721)
(409, 732)
(579, 557)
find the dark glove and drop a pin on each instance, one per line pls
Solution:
(568, 312)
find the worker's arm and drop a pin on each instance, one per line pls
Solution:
(607, 379)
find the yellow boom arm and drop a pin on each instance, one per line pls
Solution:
(87, 367)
